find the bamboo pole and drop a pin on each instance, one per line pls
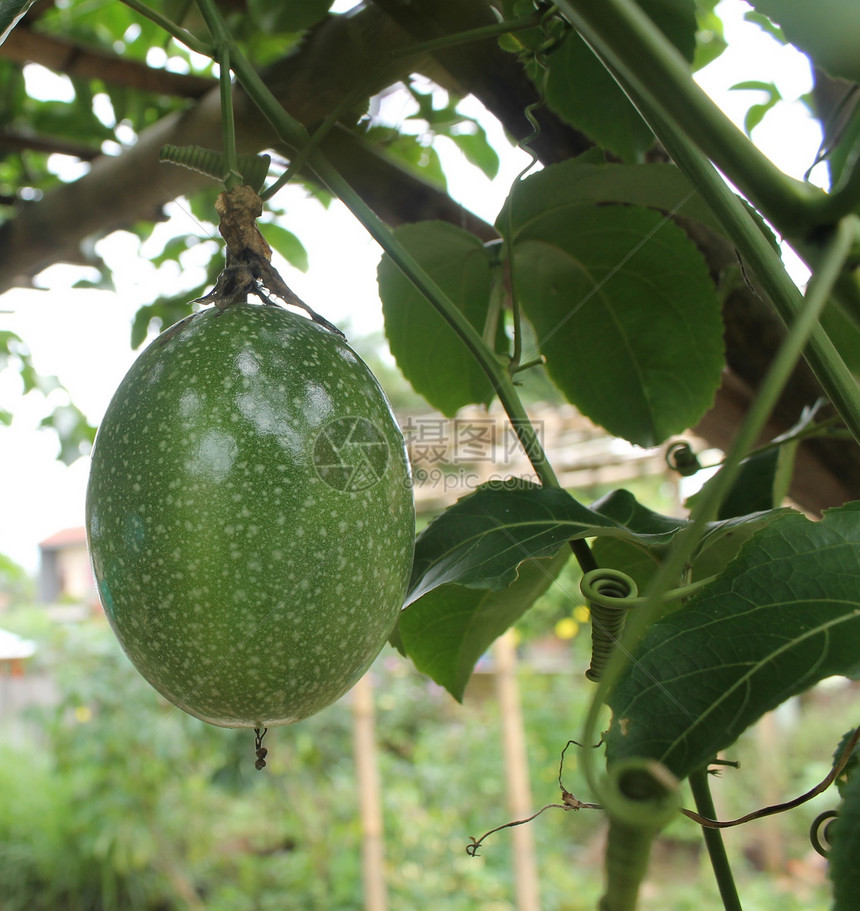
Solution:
(369, 796)
(517, 775)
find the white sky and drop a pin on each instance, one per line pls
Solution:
(82, 336)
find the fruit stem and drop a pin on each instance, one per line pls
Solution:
(222, 42)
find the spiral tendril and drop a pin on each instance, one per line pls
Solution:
(681, 458)
(609, 593)
(821, 832)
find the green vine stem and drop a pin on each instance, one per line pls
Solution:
(233, 177)
(191, 41)
(623, 34)
(714, 842)
(640, 797)
(837, 381)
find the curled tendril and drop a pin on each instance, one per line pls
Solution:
(609, 593)
(681, 458)
(820, 832)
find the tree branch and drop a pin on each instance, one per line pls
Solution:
(75, 59)
(134, 186)
(18, 139)
(493, 76)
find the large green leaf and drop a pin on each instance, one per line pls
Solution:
(581, 91)
(626, 316)
(429, 353)
(587, 179)
(844, 869)
(828, 30)
(480, 541)
(452, 626)
(782, 616)
(485, 560)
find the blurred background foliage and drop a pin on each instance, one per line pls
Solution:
(112, 799)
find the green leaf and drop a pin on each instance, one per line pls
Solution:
(782, 616)
(484, 561)
(581, 91)
(828, 30)
(429, 353)
(765, 476)
(286, 243)
(622, 507)
(164, 312)
(677, 20)
(75, 432)
(582, 180)
(626, 317)
(11, 13)
(755, 114)
(452, 626)
(478, 151)
(480, 541)
(768, 27)
(850, 768)
(710, 37)
(721, 541)
(845, 849)
(287, 15)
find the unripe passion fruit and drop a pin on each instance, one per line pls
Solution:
(250, 516)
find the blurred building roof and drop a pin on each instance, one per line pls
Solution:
(65, 538)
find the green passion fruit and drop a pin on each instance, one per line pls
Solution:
(250, 516)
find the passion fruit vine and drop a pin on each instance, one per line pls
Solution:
(250, 516)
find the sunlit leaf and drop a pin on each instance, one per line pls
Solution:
(287, 244)
(478, 151)
(484, 561)
(452, 626)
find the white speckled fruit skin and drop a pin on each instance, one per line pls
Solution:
(243, 587)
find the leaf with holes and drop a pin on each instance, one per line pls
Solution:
(783, 615)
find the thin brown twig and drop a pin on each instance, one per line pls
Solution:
(822, 786)
(570, 803)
